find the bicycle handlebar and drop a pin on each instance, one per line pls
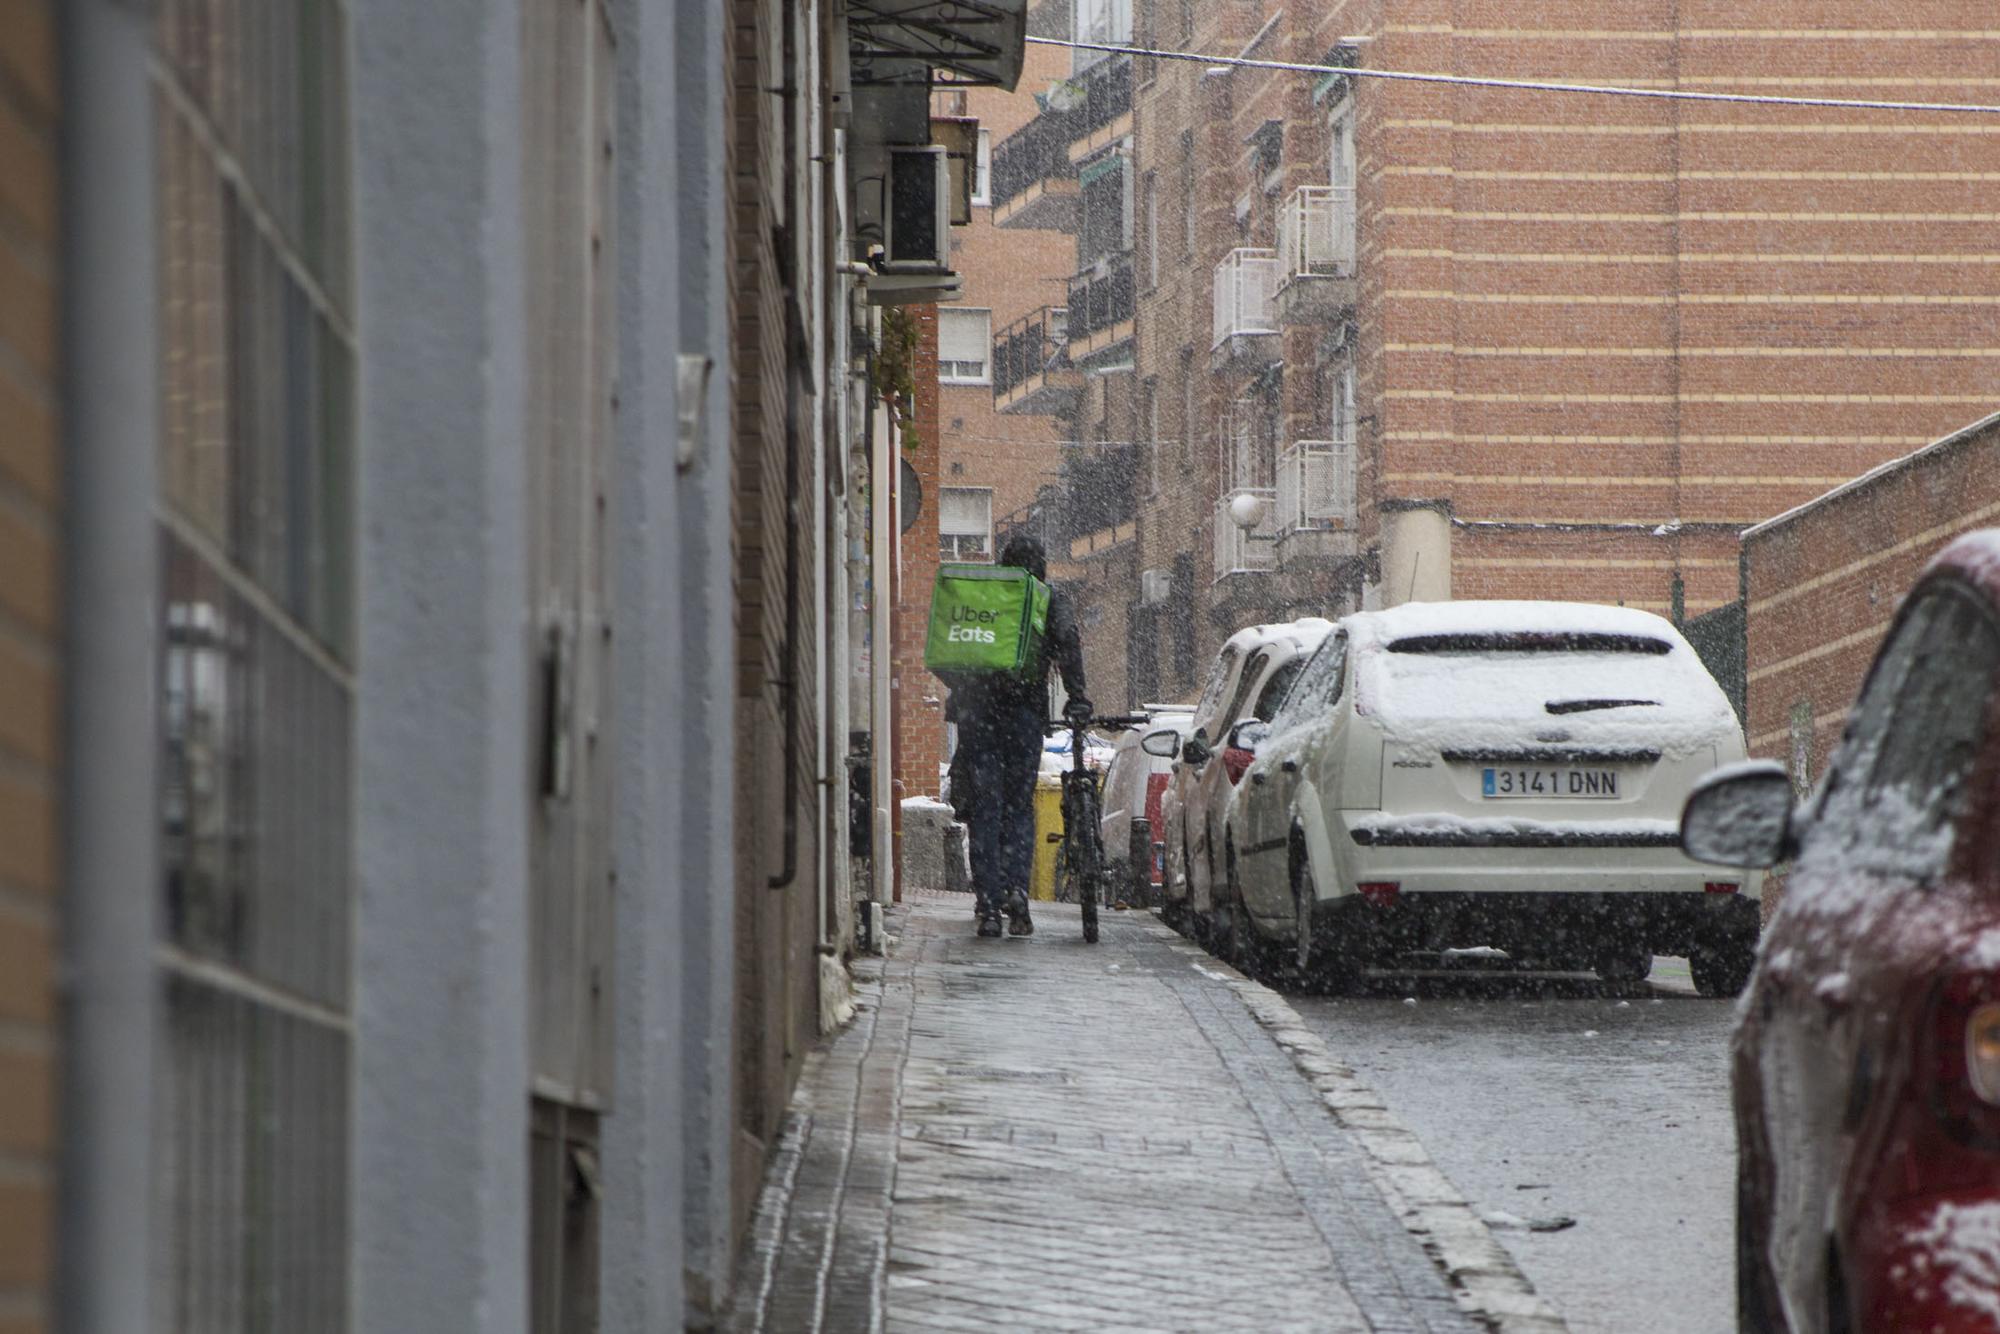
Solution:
(1117, 721)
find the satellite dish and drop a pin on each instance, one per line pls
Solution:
(910, 494)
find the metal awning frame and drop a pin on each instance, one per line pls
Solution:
(965, 39)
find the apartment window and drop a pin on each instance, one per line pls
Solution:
(1149, 423)
(982, 170)
(1339, 392)
(1145, 67)
(965, 523)
(1187, 195)
(1149, 220)
(1340, 148)
(1106, 190)
(1187, 408)
(965, 341)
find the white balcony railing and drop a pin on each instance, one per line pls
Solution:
(1316, 485)
(1316, 233)
(1239, 550)
(1244, 283)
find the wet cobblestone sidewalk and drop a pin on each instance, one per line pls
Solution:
(1036, 1134)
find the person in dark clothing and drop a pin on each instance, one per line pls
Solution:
(1001, 724)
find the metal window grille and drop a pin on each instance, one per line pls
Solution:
(256, 610)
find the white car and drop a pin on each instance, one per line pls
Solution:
(1133, 787)
(1487, 774)
(1251, 675)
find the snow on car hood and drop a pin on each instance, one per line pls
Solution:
(1441, 676)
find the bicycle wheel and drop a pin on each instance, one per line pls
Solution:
(1089, 864)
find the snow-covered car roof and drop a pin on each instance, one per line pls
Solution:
(1421, 619)
(1309, 630)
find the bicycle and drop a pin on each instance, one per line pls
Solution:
(1080, 858)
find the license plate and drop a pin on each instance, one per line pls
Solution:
(1549, 781)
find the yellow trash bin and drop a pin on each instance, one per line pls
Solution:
(1048, 821)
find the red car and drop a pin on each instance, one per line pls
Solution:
(1866, 1058)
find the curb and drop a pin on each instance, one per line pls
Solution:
(1488, 1283)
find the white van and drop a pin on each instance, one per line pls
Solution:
(1504, 774)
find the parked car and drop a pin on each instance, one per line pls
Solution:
(1498, 774)
(1133, 786)
(1252, 672)
(1866, 1058)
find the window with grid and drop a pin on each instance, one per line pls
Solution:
(965, 523)
(256, 613)
(965, 342)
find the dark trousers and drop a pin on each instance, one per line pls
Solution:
(1004, 755)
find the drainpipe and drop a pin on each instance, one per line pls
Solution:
(109, 991)
(881, 492)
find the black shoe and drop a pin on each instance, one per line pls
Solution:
(989, 924)
(1019, 923)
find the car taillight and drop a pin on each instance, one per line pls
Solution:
(1982, 1052)
(1381, 893)
(1965, 1056)
(1721, 887)
(1234, 762)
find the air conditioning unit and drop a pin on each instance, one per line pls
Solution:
(1155, 586)
(916, 227)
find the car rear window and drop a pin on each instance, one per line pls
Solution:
(1531, 641)
(1467, 690)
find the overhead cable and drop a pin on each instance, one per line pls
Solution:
(1527, 85)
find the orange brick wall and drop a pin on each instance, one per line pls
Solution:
(1010, 272)
(29, 665)
(1668, 316)
(1610, 334)
(1822, 584)
(918, 697)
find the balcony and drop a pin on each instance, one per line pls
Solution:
(1246, 551)
(1034, 182)
(1316, 487)
(1102, 305)
(1103, 114)
(1316, 271)
(1032, 375)
(1246, 322)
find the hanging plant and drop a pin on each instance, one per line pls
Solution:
(895, 371)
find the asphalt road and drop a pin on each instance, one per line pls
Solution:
(1552, 1097)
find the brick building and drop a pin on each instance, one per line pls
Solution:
(1822, 581)
(30, 661)
(1477, 342)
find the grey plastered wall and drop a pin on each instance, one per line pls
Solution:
(706, 621)
(441, 1081)
(640, 1261)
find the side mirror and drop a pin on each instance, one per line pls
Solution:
(1249, 734)
(1195, 749)
(1164, 744)
(1740, 815)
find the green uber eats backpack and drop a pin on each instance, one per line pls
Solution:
(987, 622)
